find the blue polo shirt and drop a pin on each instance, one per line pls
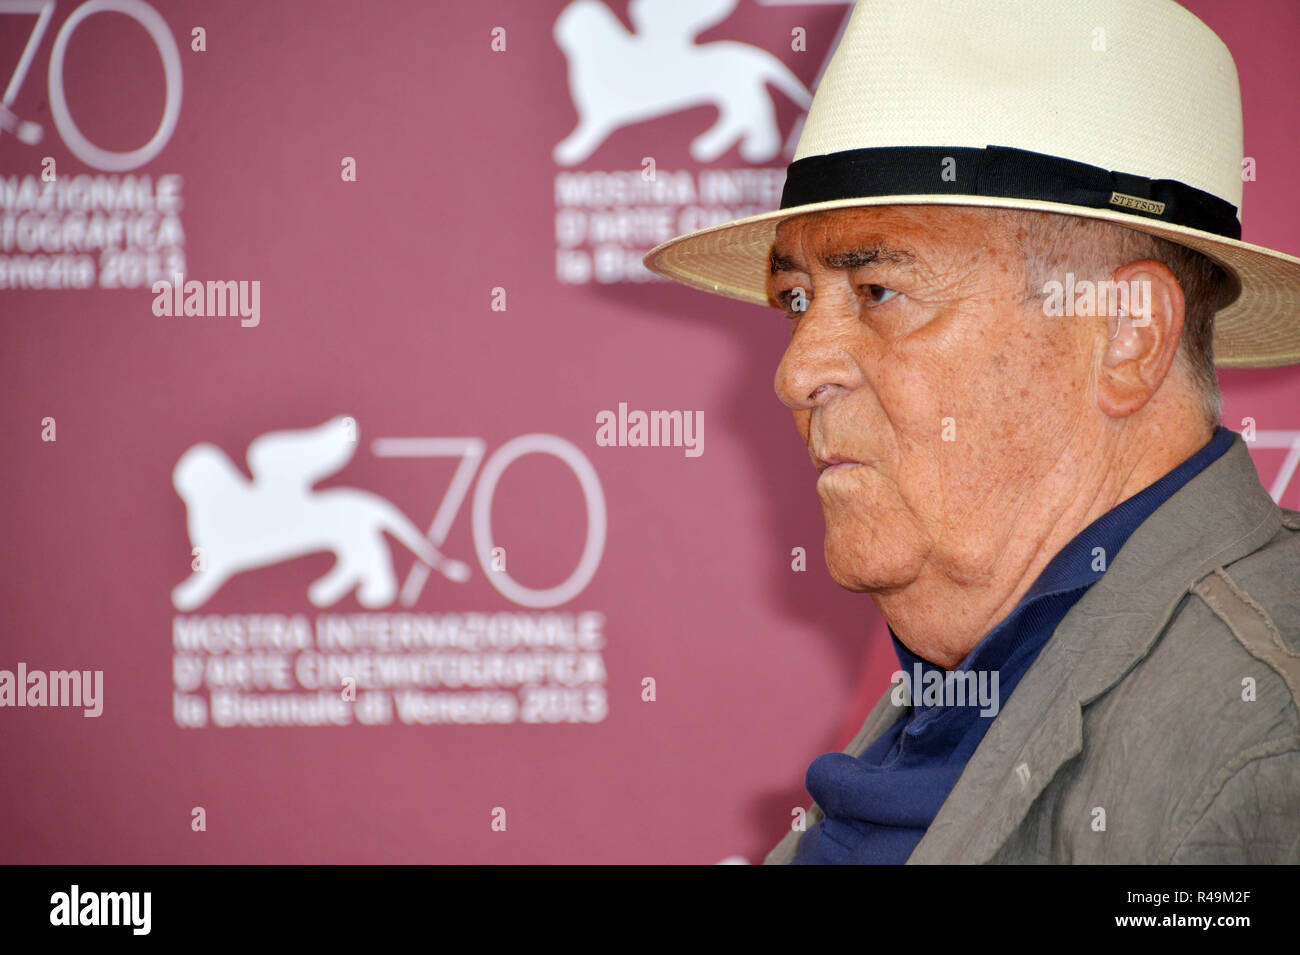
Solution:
(879, 805)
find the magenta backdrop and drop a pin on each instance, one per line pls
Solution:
(377, 303)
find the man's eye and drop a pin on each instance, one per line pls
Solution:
(877, 294)
(794, 301)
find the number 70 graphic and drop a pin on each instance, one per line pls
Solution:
(92, 155)
(1288, 441)
(470, 451)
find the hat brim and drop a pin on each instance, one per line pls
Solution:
(1259, 328)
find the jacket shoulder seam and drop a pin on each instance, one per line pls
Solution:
(1251, 625)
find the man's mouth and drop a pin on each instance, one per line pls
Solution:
(831, 463)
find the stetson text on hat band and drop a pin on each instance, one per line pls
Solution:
(999, 171)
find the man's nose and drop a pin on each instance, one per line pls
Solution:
(819, 362)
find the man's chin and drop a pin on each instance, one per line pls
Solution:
(853, 576)
(866, 561)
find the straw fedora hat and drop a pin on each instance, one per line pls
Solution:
(1122, 110)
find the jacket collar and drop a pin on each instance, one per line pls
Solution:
(1219, 516)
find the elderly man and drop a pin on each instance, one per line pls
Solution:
(1008, 250)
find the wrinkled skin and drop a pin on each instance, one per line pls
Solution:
(932, 333)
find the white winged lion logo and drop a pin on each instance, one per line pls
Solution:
(617, 78)
(240, 524)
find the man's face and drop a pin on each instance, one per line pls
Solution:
(921, 360)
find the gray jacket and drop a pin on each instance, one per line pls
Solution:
(1161, 722)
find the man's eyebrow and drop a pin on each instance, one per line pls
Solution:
(848, 259)
(868, 255)
(783, 263)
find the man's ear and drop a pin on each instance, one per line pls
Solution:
(1144, 324)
